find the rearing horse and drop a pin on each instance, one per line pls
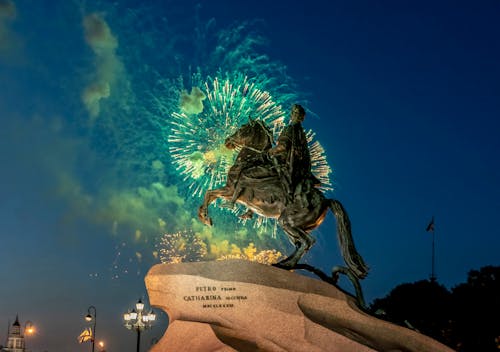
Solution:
(253, 181)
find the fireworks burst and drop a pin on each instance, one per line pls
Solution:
(182, 246)
(319, 165)
(196, 141)
(250, 253)
(211, 113)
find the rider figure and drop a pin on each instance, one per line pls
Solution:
(291, 155)
(291, 159)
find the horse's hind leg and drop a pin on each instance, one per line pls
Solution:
(303, 242)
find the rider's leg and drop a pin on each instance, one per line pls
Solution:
(237, 190)
(284, 177)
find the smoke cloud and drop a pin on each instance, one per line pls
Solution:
(192, 103)
(103, 43)
(7, 9)
(9, 41)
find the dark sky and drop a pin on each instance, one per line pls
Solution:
(404, 97)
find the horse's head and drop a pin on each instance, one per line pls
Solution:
(253, 134)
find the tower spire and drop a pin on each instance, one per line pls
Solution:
(15, 338)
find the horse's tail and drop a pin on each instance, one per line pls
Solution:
(351, 256)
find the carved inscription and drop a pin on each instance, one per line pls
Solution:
(216, 296)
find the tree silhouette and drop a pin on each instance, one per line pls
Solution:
(476, 313)
(466, 319)
(424, 306)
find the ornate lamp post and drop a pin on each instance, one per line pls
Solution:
(89, 317)
(138, 320)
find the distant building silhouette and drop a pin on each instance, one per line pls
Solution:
(15, 338)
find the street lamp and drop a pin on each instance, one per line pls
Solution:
(139, 320)
(29, 329)
(89, 317)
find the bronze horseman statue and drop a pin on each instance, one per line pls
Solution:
(278, 183)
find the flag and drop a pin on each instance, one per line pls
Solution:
(430, 227)
(85, 336)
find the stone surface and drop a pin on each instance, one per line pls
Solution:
(237, 305)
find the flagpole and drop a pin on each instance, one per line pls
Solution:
(433, 276)
(431, 228)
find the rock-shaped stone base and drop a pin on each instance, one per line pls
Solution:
(236, 305)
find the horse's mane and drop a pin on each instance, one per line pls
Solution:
(261, 123)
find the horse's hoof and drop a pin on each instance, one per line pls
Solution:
(283, 265)
(203, 215)
(207, 221)
(247, 215)
(335, 277)
(279, 265)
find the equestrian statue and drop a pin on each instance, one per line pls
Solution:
(276, 182)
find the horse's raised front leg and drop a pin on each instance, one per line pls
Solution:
(210, 196)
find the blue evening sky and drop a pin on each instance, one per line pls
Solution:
(404, 97)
